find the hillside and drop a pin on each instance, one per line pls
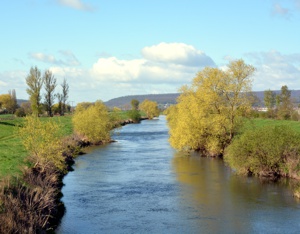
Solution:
(124, 102)
(170, 98)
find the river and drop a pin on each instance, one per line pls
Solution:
(139, 184)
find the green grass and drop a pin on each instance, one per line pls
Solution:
(257, 123)
(12, 152)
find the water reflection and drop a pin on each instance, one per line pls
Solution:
(223, 202)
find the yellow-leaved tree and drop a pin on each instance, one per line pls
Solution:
(92, 122)
(42, 139)
(208, 112)
(150, 108)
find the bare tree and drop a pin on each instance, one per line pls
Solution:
(64, 96)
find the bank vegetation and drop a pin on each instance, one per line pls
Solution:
(210, 117)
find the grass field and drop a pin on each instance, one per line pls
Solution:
(257, 123)
(12, 152)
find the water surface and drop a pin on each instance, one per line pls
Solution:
(139, 184)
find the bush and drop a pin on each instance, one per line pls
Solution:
(20, 112)
(93, 123)
(134, 115)
(42, 139)
(267, 151)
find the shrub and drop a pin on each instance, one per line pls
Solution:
(42, 139)
(93, 122)
(267, 151)
(20, 112)
(134, 115)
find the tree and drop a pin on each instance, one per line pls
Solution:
(93, 122)
(50, 85)
(285, 108)
(5, 101)
(270, 100)
(13, 105)
(208, 113)
(135, 104)
(35, 83)
(65, 95)
(150, 108)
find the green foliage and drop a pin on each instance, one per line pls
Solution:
(285, 108)
(134, 115)
(209, 112)
(150, 108)
(134, 104)
(93, 122)
(20, 112)
(266, 151)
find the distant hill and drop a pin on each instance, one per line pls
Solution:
(170, 98)
(20, 101)
(124, 102)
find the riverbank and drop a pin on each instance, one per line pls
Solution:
(21, 185)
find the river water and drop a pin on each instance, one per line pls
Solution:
(139, 184)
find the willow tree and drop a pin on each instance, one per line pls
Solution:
(208, 112)
(92, 123)
(150, 108)
(34, 82)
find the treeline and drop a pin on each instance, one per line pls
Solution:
(210, 115)
(280, 106)
(42, 95)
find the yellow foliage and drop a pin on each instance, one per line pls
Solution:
(42, 139)
(150, 108)
(5, 101)
(207, 113)
(93, 122)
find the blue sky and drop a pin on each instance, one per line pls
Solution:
(107, 49)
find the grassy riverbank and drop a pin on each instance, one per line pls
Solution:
(12, 151)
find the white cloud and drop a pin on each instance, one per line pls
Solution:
(76, 4)
(13, 80)
(113, 69)
(177, 53)
(275, 69)
(161, 64)
(68, 58)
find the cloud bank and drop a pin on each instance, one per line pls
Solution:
(275, 69)
(162, 63)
